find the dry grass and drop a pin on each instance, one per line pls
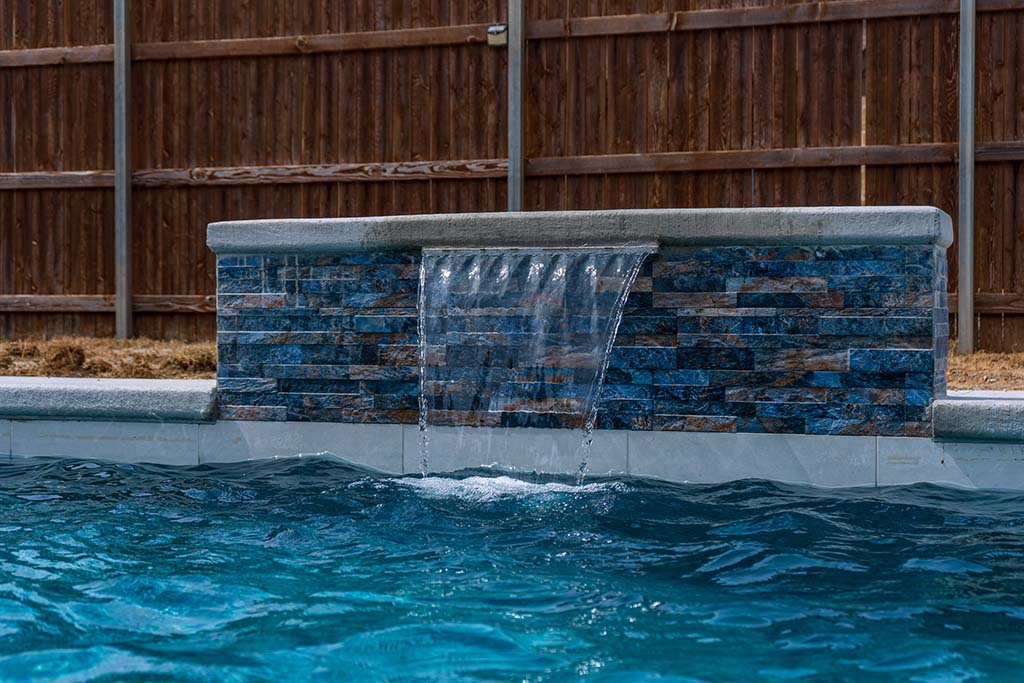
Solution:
(986, 371)
(88, 357)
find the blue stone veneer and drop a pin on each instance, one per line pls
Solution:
(816, 340)
(827, 340)
(318, 338)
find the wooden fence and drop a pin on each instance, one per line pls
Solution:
(256, 108)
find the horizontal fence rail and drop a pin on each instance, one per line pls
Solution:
(721, 160)
(98, 303)
(579, 27)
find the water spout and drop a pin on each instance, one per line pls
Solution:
(519, 338)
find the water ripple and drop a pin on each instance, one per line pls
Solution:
(311, 570)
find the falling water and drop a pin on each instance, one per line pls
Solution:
(519, 338)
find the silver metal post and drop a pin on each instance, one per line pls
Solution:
(516, 46)
(965, 213)
(122, 173)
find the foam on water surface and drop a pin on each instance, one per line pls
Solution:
(484, 489)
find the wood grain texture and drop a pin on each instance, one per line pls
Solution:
(911, 92)
(32, 25)
(99, 303)
(617, 20)
(304, 174)
(53, 35)
(257, 108)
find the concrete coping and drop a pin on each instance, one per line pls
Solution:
(811, 226)
(979, 416)
(150, 400)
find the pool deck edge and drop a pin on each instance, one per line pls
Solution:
(980, 416)
(145, 400)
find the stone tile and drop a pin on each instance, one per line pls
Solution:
(855, 320)
(700, 457)
(378, 446)
(541, 450)
(908, 460)
(142, 442)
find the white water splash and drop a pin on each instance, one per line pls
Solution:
(486, 489)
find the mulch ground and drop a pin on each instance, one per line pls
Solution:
(88, 357)
(986, 371)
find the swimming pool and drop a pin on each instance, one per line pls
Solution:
(310, 570)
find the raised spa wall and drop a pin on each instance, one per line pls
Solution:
(799, 321)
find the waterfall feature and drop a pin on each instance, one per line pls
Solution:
(519, 338)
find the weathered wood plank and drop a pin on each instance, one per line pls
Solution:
(468, 169)
(56, 303)
(748, 17)
(174, 303)
(693, 20)
(808, 157)
(992, 303)
(264, 175)
(43, 56)
(279, 175)
(310, 44)
(47, 180)
(253, 47)
(100, 303)
(999, 151)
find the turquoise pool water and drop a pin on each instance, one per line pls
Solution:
(308, 570)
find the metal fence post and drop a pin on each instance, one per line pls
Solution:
(965, 212)
(516, 45)
(122, 173)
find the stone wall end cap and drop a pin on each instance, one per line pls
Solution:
(149, 400)
(670, 227)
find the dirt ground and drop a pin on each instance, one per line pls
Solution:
(87, 357)
(145, 358)
(986, 371)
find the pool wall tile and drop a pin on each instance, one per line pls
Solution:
(837, 340)
(909, 461)
(706, 457)
(372, 445)
(147, 442)
(6, 430)
(987, 465)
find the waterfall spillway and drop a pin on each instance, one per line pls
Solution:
(519, 338)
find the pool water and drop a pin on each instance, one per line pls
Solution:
(310, 570)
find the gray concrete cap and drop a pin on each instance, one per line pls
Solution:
(151, 400)
(667, 227)
(979, 419)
